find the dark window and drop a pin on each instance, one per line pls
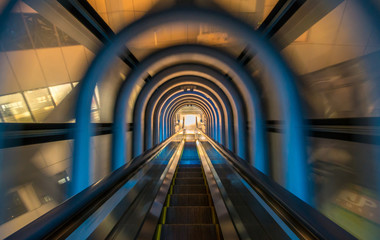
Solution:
(14, 207)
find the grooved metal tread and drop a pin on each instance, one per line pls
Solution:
(189, 232)
(189, 215)
(189, 200)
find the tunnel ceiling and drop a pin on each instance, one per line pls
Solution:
(119, 13)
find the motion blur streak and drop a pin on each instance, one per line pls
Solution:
(288, 89)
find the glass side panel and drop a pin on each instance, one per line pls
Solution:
(14, 207)
(40, 103)
(41, 174)
(36, 54)
(36, 180)
(60, 92)
(336, 58)
(249, 213)
(345, 177)
(124, 213)
(14, 109)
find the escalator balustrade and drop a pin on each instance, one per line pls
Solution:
(163, 194)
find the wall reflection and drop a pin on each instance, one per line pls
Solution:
(36, 105)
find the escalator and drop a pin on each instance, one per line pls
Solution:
(184, 188)
(189, 212)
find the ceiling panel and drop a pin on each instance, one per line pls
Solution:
(120, 13)
(27, 69)
(8, 81)
(142, 5)
(117, 20)
(76, 61)
(53, 65)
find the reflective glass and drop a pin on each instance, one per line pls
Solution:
(246, 208)
(60, 92)
(95, 101)
(133, 199)
(336, 73)
(40, 103)
(37, 54)
(95, 116)
(34, 182)
(14, 109)
(344, 175)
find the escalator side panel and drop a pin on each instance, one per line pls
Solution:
(127, 206)
(256, 220)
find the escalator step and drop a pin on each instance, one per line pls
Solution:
(190, 160)
(189, 189)
(189, 200)
(181, 166)
(190, 154)
(189, 181)
(187, 232)
(190, 169)
(189, 175)
(189, 215)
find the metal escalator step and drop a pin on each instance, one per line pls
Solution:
(190, 157)
(189, 175)
(189, 200)
(190, 152)
(189, 165)
(189, 181)
(184, 162)
(189, 215)
(190, 169)
(189, 189)
(187, 155)
(189, 232)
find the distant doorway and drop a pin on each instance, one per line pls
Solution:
(190, 123)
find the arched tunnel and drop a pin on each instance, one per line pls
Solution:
(185, 119)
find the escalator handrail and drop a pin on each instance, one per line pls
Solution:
(57, 219)
(301, 217)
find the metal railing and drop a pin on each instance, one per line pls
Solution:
(301, 218)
